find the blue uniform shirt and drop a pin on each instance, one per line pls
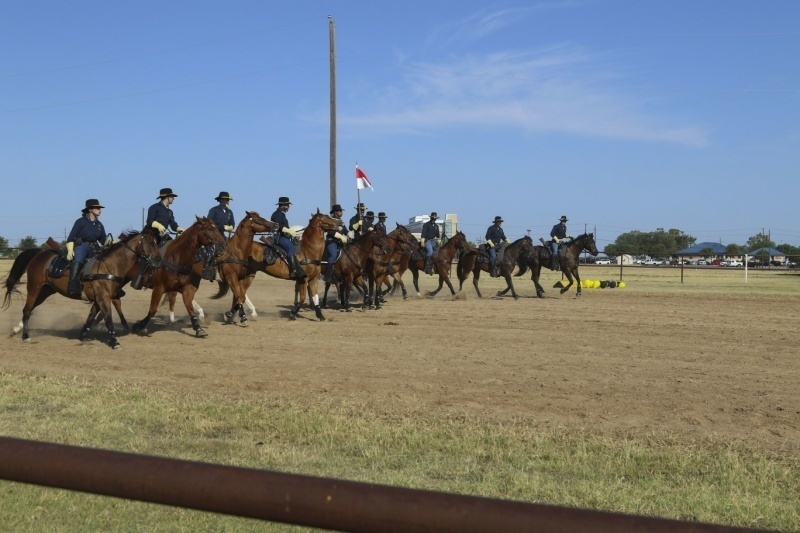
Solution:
(221, 217)
(280, 218)
(559, 231)
(430, 230)
(163, 215)
(495, 234)
(87, 230)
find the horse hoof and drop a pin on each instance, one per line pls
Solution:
(348, 310)
(115, 345)
(243, 324)
(200, 333)
(516, 297)
(26, 339)
(292, 316)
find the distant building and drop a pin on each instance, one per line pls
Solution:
(447, 225)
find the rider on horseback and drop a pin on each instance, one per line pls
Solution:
(495, 238)
(357, 220)
(381, 225)
(369, 222)
(286, 236)
(334, 239)
(86, 231)
(222, 217)
(559, 235)
(160, 216)
(430, 231)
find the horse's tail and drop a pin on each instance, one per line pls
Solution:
(17, 270)
(460, 266)
(223, 290)
(522, 264)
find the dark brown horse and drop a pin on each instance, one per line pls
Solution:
(476, 262)
(352, 265)
(401, 243)
(234, 264)
(567, 258)
(181, 269)
(443, 261)
(102, 279)
(312, 246)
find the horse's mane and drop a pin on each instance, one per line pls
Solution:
(127, 234)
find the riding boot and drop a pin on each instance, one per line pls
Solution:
(74, 283)
(553, 262)
(428, 265)
(330, 274)
(208, 269)
(297, 270)
(493, 269)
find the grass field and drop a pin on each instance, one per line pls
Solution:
(57, 391)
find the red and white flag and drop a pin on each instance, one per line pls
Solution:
(362, 181)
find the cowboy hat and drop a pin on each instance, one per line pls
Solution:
(336, 207)
(166, 191)
(498, 219)
(284, 200)
(360, 206)
(381, 215)
(92, 203)
(370, 214)
(434, 215)
(223, 196)
(563, 218)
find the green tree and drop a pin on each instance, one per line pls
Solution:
(733, 249)
(760, 240)
(3, 246)
(706, 251)
(657, 243)
(27, 242)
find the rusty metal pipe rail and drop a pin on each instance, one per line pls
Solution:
(299, 499)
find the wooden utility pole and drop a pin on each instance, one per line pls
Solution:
(333, 108)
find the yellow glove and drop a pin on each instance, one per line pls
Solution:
(341, 237)
(421, 241)
(110, 240)
(227, 228)
(569, 236)
(179, 230)
(556, 239)
(288, 232)
(371, 229)
(507, 241)
(357, 224)
(491, 244)
(70, 251)
(159, 226)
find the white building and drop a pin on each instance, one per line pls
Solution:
(447, 225)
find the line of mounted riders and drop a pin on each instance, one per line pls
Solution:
(367, 257)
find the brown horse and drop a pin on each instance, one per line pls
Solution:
(477, 262)
(567, 258)
(181, 268)
(353, 265)
(234, 264)
(442, 262)
(102, 279)
(401, 243)
(312, 246)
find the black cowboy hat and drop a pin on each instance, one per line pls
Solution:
(223, 196)
(360, 206)
(370, 214)
(336, 207)
(381, 215)
(434, 215)
(284, 200)
(563, 218)
(498, 219)
(92, 203)
(166, 191)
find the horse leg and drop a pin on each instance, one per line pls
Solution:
(94, 313)
(577, 281)
(569, 277)
(35, 298)
(449, 285)
(313, 297)
(105, 308)
(476, 277)
(141, 326)
(507, 275)
(535, 273)
(249, 304)
(415, 277)
(188, 293)
(324, 304)
(118, 306)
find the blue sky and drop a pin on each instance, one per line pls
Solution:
(622, 115)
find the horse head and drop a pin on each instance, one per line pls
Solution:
(406, 238)
(257, 223)
(324, 222)
(460, 242)
(526, 246)
(209, 235)
(586, 242)
(149, 247)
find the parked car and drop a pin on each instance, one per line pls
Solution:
(649, 262)
(702, 262)
(735, 263)
(603, 262)
(659, 262)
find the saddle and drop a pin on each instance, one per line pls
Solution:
(326, 257)
(271, 250)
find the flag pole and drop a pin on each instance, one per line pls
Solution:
(358, 202)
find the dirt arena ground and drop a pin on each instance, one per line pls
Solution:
(694, 364)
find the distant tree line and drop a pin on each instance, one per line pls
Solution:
(665, 243)
(24, 244)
